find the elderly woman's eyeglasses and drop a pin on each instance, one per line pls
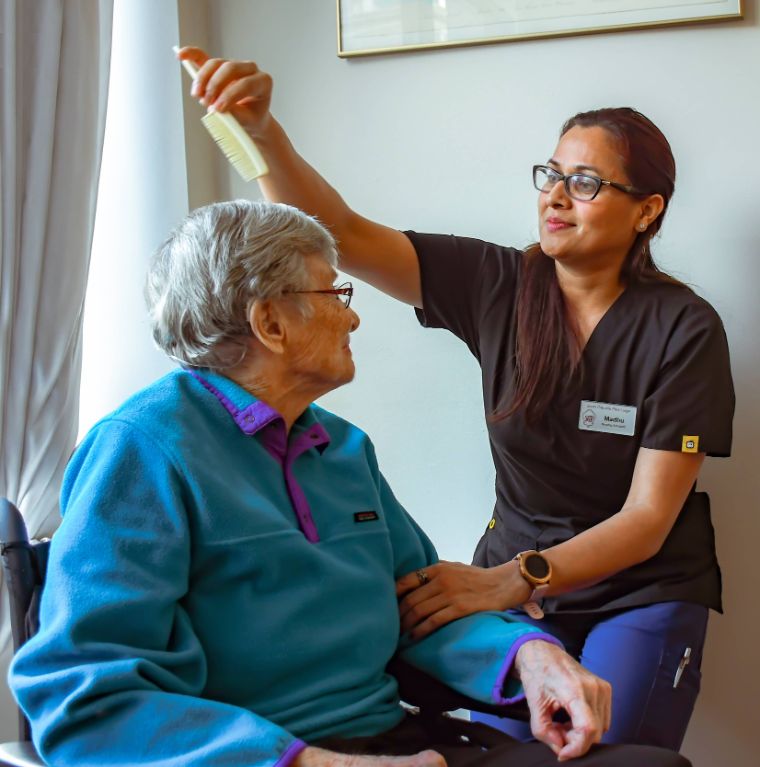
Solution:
(579, 186)
(344, 293)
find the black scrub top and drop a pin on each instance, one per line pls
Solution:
(659, 349)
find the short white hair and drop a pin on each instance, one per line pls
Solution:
(222, 257)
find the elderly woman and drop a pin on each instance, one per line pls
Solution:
(221, 589)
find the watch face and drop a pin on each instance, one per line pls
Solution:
(536, 565)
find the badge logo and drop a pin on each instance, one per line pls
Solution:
(588, 418)
(689, 444)
(365, 516)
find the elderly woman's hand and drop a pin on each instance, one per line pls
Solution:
(436, 595)
(552, 680)
(319, 757)
(235, 86)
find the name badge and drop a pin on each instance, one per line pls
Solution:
(607, 418)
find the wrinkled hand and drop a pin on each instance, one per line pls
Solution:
(454, 590)
(238, 86)
(319, 757)
(553, 680)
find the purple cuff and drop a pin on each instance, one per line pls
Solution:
(501, 679)
(291, 752)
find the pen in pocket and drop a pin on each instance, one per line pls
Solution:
(685, 658)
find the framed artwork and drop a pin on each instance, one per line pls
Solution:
(367, 27)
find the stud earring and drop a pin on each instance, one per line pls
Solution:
(642, 227)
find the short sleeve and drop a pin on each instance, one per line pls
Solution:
(460, 278)
(691, 406)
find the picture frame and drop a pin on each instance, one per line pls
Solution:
(370, 27)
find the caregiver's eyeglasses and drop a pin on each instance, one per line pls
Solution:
(343, 292)
(579, 186)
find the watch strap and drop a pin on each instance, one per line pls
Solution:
(538, 592)
(533, 610)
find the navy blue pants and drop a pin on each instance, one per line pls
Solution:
(638, 652)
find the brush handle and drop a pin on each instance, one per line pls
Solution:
(188, 66)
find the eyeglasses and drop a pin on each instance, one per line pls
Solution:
(344, 293)
(579, 186)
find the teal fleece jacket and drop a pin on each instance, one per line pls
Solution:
(221, 593)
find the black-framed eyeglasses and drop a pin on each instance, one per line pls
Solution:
(579, 186)
(344, 293)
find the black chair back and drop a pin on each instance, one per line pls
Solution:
(24, 567)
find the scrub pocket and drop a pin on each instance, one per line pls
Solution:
(668, 711)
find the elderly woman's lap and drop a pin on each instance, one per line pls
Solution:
(519, 754)
(467, 744)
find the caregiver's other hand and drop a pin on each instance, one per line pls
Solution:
(435, 595)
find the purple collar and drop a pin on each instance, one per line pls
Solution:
(252, 415)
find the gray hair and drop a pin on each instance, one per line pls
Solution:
(222, 257)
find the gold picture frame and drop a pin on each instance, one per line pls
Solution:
(370, 27)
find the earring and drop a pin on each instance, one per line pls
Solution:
(642, 227)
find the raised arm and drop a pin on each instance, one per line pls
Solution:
(377, 254)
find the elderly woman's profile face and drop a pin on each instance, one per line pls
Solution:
(319, 351)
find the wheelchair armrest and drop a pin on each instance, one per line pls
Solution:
(432, 696)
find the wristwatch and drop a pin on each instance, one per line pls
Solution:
(536, 569)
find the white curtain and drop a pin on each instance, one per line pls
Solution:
(54, 65)
(143, 194)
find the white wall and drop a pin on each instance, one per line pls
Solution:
(443, 141)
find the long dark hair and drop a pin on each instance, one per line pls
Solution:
(548, 350)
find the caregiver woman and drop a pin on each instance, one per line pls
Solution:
(605, 381)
